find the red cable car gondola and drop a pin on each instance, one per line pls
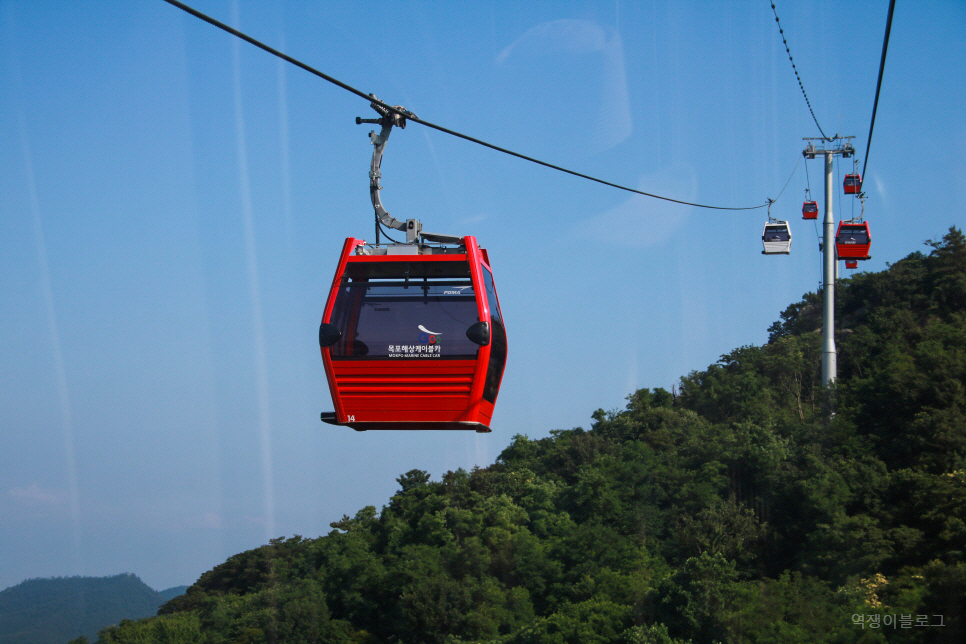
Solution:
(852, 240)
(413, 341)
(853, 184)
(851, 263)
(810, 210)
(412, 336)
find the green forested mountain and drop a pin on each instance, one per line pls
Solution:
(38, 611)
(726, 510)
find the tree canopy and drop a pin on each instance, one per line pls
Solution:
(733, 509)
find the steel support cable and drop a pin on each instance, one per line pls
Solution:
(878, 85)
(838, 182)
(790, 178)
(808, 182)
(415, 119)
(797, 77)
(808, 192)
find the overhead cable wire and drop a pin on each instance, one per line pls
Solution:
(409, 115)
(878, 85)
(790, 178)
(795, 69)
(808, 182)
(838, 182)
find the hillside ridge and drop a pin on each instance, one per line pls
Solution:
(732, 509)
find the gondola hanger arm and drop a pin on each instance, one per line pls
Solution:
(387, 120)
(390, 117)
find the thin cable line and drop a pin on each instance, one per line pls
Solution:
(409, 115)
(795, 69)
(790, 178)
(878, 85)
(838, 182)
(385, 232)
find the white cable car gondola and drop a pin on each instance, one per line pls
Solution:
(776, 238)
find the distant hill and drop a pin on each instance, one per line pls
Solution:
(42, 611)
(171, 593)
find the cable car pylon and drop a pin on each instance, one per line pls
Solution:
(828, 149)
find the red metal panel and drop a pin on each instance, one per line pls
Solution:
(409, 390)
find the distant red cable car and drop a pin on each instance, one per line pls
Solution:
(853, 184)
(411, 340)
(852, 240)
(810, 210)
(851, 263)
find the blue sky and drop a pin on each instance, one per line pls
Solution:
(173, 202)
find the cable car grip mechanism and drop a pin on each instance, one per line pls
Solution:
(388, 118)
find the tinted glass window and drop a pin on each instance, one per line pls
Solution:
(776, 234)
(494, 370)
(853, 235)
(405, 310)
(491, 296)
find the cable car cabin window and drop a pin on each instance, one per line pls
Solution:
(418, 310)
(776, 234)
(853, 235)
(491, 297)
(494, 370)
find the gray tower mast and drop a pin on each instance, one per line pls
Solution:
(829, 148)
